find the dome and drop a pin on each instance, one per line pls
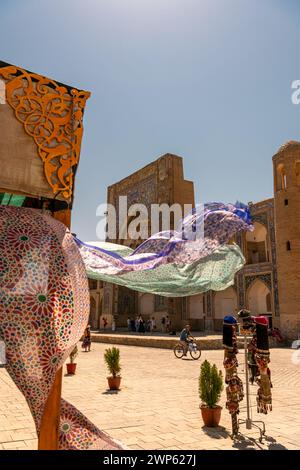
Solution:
(290, 144)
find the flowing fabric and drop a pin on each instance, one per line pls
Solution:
(214, 272)
(44, 308)
(44, 296)
(179, 263)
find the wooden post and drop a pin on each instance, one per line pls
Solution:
(49, 431)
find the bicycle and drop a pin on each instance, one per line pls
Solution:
(193, 349)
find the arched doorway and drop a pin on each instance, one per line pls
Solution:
(259, 299)
(257, 250)
(225, 303)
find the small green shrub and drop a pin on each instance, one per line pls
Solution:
(73, 354)
(210, 384)
(112, 359)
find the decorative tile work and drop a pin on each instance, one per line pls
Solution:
(44, 308)
(241, 291)
(261, 218)
(263, 213)
(265, 278)
(144, 190)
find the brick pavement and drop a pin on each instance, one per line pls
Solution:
(158, 405)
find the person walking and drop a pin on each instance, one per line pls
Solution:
(168, 324)
(132, 325)
(128, 324)
(152, 325)
(104, 323)
(86, 343)
(137, 323)
(163, 324)
(141, 327)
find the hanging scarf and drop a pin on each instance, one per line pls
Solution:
(234, 389)
(252, 365)
(219, 223)
(262, 358)
(179, 263)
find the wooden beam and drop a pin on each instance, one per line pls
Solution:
(49, 431)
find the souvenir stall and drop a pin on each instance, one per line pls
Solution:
(253, 331)
(234, 385)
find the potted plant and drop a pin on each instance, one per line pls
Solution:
(210, 388)
(71, 366)
(112, 359)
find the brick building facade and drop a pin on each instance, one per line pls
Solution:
(269, 282)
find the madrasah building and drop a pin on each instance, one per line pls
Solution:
(269, 282)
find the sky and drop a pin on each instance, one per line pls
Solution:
(209, 80)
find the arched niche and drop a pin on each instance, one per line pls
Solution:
(281, 180)
(259, 298)
(256, 245)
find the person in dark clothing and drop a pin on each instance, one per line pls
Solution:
(86, 343)
(132, 324)
(163, 324)
(141, 327)
(186, 338)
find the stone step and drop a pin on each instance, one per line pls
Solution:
(205, 342)
(163, 342)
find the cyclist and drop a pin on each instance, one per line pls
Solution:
(186, 338)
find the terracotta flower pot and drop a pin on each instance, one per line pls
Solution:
(211, 416)
(71, 368)
(114, 383)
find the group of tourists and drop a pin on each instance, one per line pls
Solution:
(165, 324)
(140, 325)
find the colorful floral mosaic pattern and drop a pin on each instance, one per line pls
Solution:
(44, 307)
(76, 429)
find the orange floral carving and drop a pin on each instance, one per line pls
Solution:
(52, 115)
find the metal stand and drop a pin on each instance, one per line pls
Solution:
(248, 421)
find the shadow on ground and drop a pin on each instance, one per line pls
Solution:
(218, 432)
(111, 392)
(248, 443)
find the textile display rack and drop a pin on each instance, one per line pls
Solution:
(260, 425)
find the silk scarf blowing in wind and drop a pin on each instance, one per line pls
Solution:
(177, 263)
(44, 296)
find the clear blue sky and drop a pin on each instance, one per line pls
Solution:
(209, 80)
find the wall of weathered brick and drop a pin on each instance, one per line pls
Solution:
(287, 224)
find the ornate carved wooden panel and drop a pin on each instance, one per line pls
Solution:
(52, 115)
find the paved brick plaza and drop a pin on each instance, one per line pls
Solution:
(158, 406)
